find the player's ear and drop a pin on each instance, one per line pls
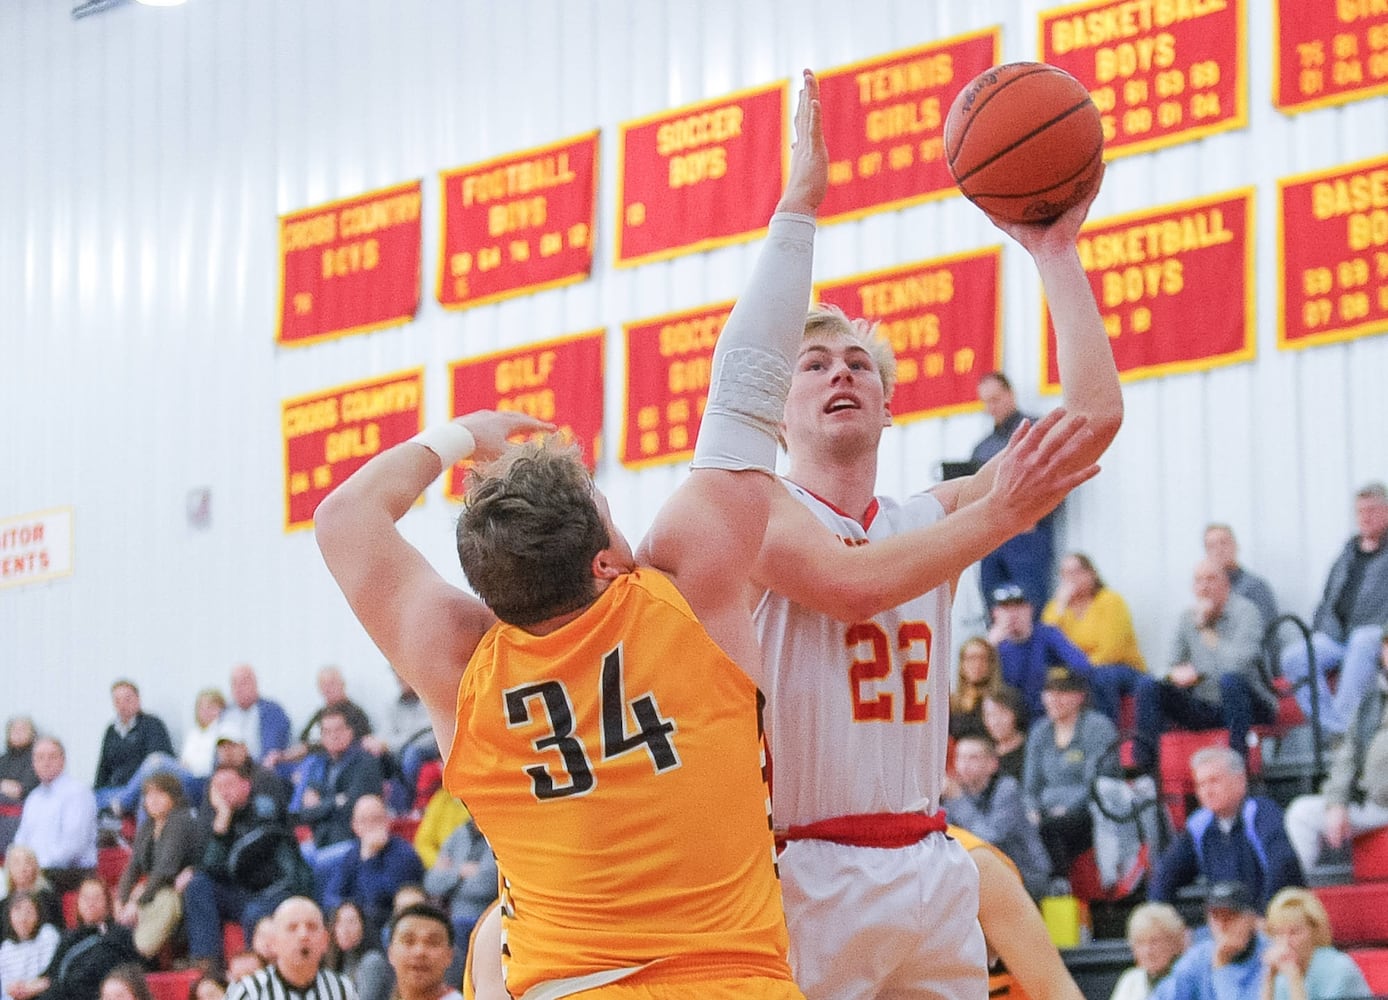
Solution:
(887, 413)
(606, 566)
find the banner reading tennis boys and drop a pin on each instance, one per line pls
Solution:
(884, 124)
(1174, 286)
(558, 380)
(1160, 72)
(518, 223)
(1332, 248)
(699, 177)
(350, 266)
(1328, 53)
(944, 319)
(330, 434)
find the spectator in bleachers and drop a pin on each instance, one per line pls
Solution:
(1065, 751)
(17, 777)
(207, 987)
(168, 846)
(297, 970)
(376, 866)
(1350, 619)
(421, 951)
(268, 788)
(375, 977)
(125, 982)
(260, 723)
(333, 690)
(442, 816)
(333, 779)
(978, 674)
(1227, 964)
(1004, 716)
(130, 741)
(22, 875)
(1214, 680)
(989, 805)
(1221, 547)
(1094, 616)
(1354, 797)
(348, 943)
(1233, 836)
(59, 819)
(464, 878)
(27, 949)
(199, 754)
(405, 745)
(1157, 936)
(1300, 962)
(90, 950)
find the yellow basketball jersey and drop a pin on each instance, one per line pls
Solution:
(615, 765)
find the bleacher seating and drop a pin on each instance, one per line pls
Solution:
(172, 985)
(1369, 856)
(110, 864)
(1373, 962)
(1358, 913)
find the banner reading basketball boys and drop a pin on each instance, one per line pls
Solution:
(1328, 53)
(350, 266)
(1174, 287)
(1332, 249)
(328, 435)
(518, 223)
(944, 320)
(1161, 73)
(669, 361)
(884, 124)
(703, 176)
(558, 380)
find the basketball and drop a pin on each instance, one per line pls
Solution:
(1024, 141)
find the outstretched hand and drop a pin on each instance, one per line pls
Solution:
(1038, 467)
(491, 429)
(809, 156)
(1060, 233)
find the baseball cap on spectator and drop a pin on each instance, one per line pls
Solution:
(1230, 896)
(1062, 678)
(1009, 593)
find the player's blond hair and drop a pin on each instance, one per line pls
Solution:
(831, 321)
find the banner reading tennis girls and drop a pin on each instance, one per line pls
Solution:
(1328, 53)
(1174, 287)
(350, 266)
(557, 380)
(944, 320)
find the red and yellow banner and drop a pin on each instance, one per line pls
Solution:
(330, 434)
(35, 547)
(1161, 71)
(1174, 286)
(944, 318)
(350, 266)
(1328, 52)
(557, 380)
(518, 223)
(669, 361)
(1332, 251)
(884, 123)
(702, 176)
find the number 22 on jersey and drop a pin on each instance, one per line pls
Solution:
(874, 655)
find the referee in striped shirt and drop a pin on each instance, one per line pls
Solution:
(297, 973)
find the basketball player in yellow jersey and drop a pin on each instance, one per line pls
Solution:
(599, 709)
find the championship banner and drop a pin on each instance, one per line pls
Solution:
(519, 223)
(558, 380)
(703, 176)
(1161, 72)
(944, 318)
(669, 361)
(330, 434)
(350, 266)
(1174, 286)
(35, 547)
(1332, 254)
(1328, 53)
(884, 122)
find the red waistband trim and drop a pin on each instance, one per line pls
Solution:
(869, 829)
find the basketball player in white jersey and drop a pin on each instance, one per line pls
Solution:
(853, 620)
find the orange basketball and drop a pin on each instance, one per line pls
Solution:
(1024, 141)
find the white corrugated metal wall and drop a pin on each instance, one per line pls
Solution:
(147, 153)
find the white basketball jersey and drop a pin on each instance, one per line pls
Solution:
(858, 714)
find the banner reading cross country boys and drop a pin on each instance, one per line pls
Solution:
(1160, 73)
(944, 319)
(1174, 286)
(519, 223)
(558, 380)
(703, 176)
(328, 435)
(1332, 249)
(1328, 53)
(350, 266)
(884, 124)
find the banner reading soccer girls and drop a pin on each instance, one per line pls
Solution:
(328, 435)
(884, 123)
(1160, 73)
(1332, 249)
(669, 361)
(350, 266)
(558, 380)
(1328, 53)
(944, 320)
(1174, 287)
(519, 223)
(703, 176)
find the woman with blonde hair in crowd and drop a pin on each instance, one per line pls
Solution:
(1301, 963)
(22, 875)
(978, 674)
(1157, 936)
(199, 753)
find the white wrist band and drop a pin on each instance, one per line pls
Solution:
(451, 442)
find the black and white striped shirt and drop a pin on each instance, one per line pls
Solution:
(268, 984)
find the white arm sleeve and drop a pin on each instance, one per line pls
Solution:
(755, 354)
